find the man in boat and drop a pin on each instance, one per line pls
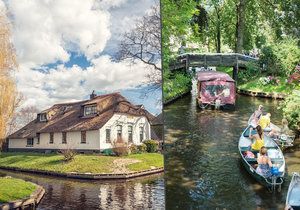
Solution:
(254, 119)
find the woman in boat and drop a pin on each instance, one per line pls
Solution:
(264, 163)
(259, 139)
(283, 130)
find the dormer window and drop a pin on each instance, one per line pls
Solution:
(90, 110)
(43, 117)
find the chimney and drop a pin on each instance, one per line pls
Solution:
(93, 95)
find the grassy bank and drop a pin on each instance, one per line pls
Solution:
(175, 85)
(13, 189)
(281, 87)
(82, 163)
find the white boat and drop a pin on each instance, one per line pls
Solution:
(293, 195)
(274, 153)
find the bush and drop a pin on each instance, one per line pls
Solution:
(142, 148)
(133, 149)
(151, 145)
(281, 58)
(68, 154)
(120, 147)
(176, 84)
(291, 109)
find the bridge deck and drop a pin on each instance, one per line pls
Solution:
(211, 59)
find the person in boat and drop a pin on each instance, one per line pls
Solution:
(254, 119)
(265, 121)
(258, 137)
(284, 129)
(264, 163)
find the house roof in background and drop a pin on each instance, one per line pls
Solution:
(69, 116)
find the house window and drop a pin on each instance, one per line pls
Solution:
(108, 136)
(141, 134)
(83, 137)
(64, 138)
(130, 133)
(51, 138)
(90, 110)
(29, 142)
(38, 138)
(43, 117)
(119, 132)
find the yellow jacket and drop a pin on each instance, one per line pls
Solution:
(264, 121)
(257, 144)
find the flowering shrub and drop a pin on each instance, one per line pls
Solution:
(269, 80)
(295, 77)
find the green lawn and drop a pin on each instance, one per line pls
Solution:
(282, 87)
(147, 159)
(82, 163)
(13, 189)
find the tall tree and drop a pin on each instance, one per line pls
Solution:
(240, 25)
(8, 93)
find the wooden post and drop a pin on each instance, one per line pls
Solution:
(187, 63)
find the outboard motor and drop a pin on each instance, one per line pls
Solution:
(275, 173)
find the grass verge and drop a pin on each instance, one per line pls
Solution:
(81, 164)
(13, 189)
(282, 87)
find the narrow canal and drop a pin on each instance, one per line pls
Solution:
(141, 193)
(202, 163)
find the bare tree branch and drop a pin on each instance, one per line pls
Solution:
(143, 44)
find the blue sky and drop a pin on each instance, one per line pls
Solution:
(66, 48)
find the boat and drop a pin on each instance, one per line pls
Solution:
(215, 90)
(250, 163)
(293, 195)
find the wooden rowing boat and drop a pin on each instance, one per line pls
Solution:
(274, 153)
(293, 195)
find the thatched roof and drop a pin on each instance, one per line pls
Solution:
(69, 116)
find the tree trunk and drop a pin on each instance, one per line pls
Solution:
(218, 44)
(240, 26)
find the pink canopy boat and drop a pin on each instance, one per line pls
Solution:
(215, 89)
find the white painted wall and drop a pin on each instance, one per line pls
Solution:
(124, 120)
(95, 139)
(73, 141)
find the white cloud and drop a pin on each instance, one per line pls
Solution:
(47, 31)
(44, 31)
(68, 84)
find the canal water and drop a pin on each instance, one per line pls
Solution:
(141, 193)
(202, 163)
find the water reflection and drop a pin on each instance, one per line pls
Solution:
(142, 193)
(203, 167)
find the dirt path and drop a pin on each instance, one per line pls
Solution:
(119, 165)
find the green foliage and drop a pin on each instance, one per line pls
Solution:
(282, 57)
(152, 145)
(291, 109)
(133, 149)
(142, 148)
(175, 85)
(251, 71)
(12, 189)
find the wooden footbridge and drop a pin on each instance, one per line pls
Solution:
(235, 60)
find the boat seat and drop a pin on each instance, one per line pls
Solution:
(251, 160)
